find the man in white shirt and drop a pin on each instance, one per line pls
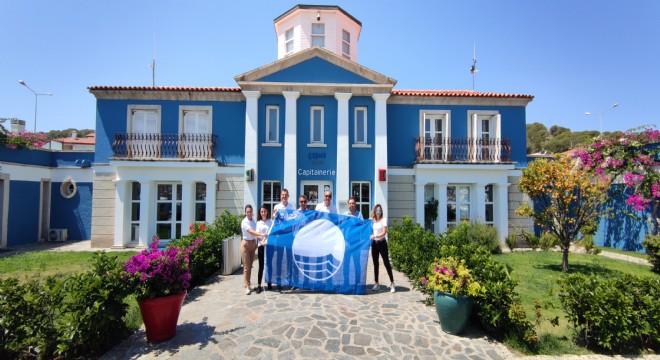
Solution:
(326, 205)
(284, 203)
(352, 209)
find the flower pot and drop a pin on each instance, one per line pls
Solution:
(453, 311)
(160, 316)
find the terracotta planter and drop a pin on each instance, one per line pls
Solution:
(160, 316)
(453, 311)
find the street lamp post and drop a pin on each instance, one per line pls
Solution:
(600, 116)
(36, 101)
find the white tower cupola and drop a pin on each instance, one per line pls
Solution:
(326, 26)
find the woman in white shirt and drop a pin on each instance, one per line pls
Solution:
(379, 245)
(248, 246)
(263, 225)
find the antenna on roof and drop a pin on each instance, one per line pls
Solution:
(473, 69)
(153, 61)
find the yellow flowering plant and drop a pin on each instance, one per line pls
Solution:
(451, 276)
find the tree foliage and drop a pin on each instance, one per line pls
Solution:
(557, 139)
(567, 199)
(58, 134)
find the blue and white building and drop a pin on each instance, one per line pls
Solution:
(314, 119)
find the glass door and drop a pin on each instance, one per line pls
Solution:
(314, 191)
(168, 211)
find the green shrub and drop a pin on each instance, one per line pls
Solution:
(479, 234)
(652, 246)
(587, 242)
(511, 241)
(532, 240)
(620, 314)
(75, 316)
(548, 241)
(498, 310)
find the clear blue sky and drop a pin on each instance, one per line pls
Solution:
(573, 56)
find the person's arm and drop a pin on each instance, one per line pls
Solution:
(252, 232)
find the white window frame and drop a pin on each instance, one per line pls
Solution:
(316, 142)
(289, 41)
(474, 126)
(346, 44)
(445, 115)
(275, 196)
(135, 224)
(276, 140)
(356, 125)
(358, 197)
(317, 36)
(457, 204)
(200, 109)
(200, 199)
(176, 201)
(148, 108)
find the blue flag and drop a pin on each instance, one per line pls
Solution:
(318, 251)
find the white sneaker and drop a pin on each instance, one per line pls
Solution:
(248, 291)
(376, 287)
(392, 288)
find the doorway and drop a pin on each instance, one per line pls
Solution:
(314, 190)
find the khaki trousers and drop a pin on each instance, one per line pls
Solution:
(247, 257)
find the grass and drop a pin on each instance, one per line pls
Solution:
(624, 252)
(537, 274)
(41, 264)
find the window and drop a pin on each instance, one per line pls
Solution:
(142, 120)
(361, 191)
(135, 211)
(484, 127)
(346, 44)
(360, 125)
(489, 220)
(316, 128)
(434, 132)
(168, 211)
(288, 35)
(318, 35)
(270, 195)
(272, 124)
(200, 202)
(68, 188)
(458, 204)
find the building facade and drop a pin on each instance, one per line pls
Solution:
(313, 120)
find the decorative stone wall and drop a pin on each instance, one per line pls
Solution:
(229, 195)
(103, 211)
(400, 197)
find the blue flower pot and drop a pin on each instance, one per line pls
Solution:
(453, 311)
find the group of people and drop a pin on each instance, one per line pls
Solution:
(255, 236)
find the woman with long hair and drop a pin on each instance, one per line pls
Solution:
(248, 246)
(263, 225)
(379, 245)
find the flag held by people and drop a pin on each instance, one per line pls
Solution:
(318, 251)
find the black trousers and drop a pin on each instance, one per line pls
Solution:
(380, 247)
(260, 257)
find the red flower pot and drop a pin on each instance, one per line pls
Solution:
(160, 316)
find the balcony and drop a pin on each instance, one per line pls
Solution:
(141, 146)
(441, 150)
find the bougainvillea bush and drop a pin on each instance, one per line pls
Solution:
(25, 140)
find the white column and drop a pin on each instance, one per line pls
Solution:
(441, 191)
(342, 191)
(122, 214)
(210, 200)
(419, 203)
(251, 188)
(501, 210)
(480, 197)
(290, 147)
(380, 151)
(147, 212)
(187, 206)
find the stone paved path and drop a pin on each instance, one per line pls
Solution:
(218, 321)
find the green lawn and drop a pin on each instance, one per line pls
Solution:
(39, 264)
(537, 274)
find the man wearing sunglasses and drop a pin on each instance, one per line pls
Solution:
(302, 202)
(326, 205)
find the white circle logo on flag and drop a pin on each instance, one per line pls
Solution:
(318, 249)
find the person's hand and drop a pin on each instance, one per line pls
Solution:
(371, 237)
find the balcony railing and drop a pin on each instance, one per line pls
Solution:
(462, 150)
(141, 146)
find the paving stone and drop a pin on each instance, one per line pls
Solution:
(353, 350)
(269, 341)
(402, 338)
(332, 346)
(362, 339)
(312, 342)
(316, 333)
(252, 352)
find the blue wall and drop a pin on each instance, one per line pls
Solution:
(23, 217)
(228, 125)
(271, 159)
(627, 228)
(316, 70)
(27, 157)
(403, 129)
(361, 160)
(317, 157)
(74, 214)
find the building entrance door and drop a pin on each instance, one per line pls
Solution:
(314, 190)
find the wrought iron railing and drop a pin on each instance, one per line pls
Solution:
(462, 150)
(141, 146)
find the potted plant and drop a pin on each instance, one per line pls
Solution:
(160, 279)
(453, 287)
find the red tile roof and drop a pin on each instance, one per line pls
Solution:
(166, 88)
(77, 141)
(458, 93)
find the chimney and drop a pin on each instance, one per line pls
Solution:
(74, 134)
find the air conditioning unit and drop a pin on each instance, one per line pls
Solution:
(58, 235)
